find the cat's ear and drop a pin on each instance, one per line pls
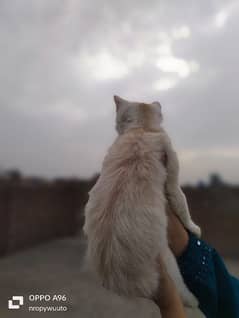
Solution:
(157, 104)
(119, 102)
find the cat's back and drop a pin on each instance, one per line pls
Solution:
(125, 213)
(134, 150)
(133, 175)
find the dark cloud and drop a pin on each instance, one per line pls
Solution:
(61, 62)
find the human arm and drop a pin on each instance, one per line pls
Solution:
(178, 236)
(204, 272)
(167, 297)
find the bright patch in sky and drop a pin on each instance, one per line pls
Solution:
(103, 66)
(172, 64)
(164, 49)
(221, 19)
(181, 33)
(164, 84)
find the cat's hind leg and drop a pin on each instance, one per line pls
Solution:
(194, 313)
(187, 297)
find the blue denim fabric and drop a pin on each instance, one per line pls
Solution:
(206, 276)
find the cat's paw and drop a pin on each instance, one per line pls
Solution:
(194, 228)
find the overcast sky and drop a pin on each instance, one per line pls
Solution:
(62, 61)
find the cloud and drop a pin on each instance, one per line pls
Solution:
(62, 61)
(171, 64)
(164, 84)
(102, 66)
(182, 32)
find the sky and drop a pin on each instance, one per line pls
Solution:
(61, 63)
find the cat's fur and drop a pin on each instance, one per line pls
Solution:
(125, 217)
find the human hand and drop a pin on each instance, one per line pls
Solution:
(177, 235)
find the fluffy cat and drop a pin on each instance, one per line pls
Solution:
(125, 217)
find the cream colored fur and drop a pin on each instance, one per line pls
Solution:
(125, 217)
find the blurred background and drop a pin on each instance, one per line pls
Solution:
(61, 63)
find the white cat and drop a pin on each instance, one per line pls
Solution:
(125, 217)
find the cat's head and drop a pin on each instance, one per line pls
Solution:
(137, 115)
